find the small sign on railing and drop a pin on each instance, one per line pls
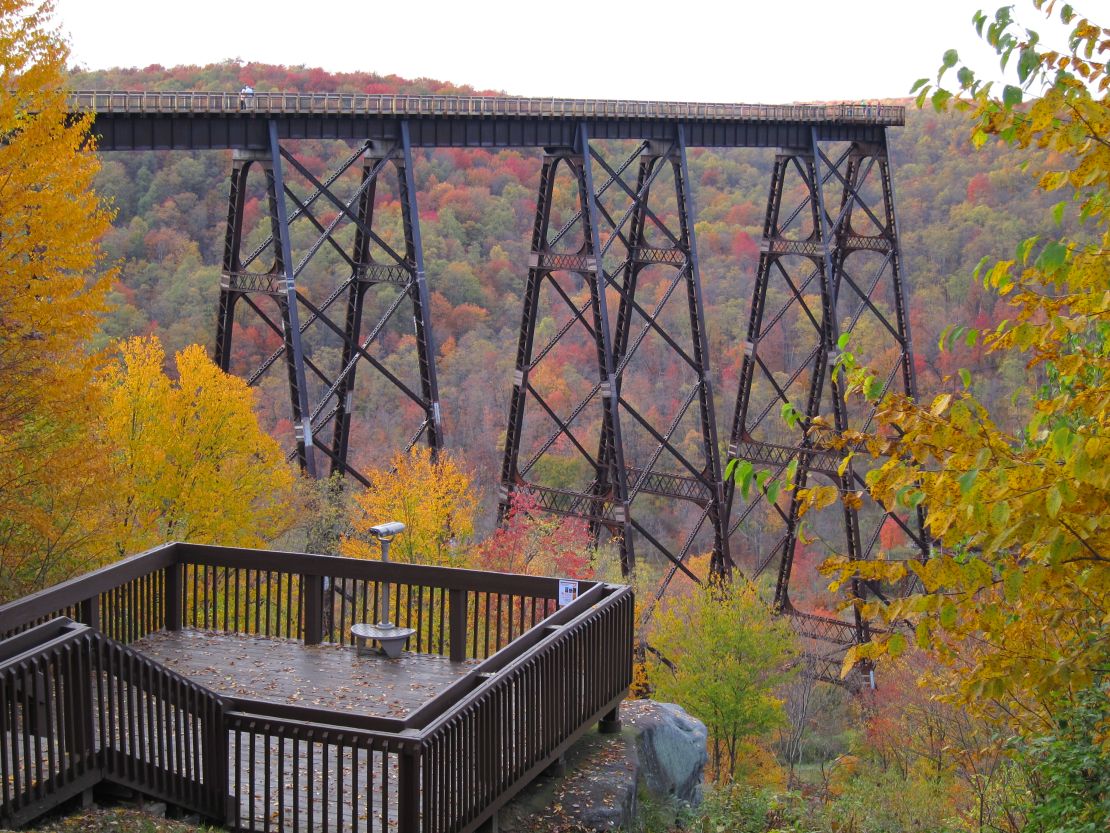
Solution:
(568, 591)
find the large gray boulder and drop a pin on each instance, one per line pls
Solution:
(671, 746)
(659, 756)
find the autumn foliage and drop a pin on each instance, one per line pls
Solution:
(51, 296)
(530, 541)
(1015, 601)
(188, 459)
(99, 457)
(717, 651)
(434, 499)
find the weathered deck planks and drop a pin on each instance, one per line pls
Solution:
(298, 785)
(287, 671)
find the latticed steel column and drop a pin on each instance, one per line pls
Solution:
(408, 273)
(829, 265)
(356, 295)
(622, 212)
(371, 261)
(550, 259)
(278, 282)
(232, 259)
(287, 300)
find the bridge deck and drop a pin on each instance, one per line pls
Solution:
(212, 120)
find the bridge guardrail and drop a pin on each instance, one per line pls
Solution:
(360, 104)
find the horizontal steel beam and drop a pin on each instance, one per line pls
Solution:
(570, 503)
(762, 453)
(822, 628)
(210, 121)
(455, 106)
(669, 485)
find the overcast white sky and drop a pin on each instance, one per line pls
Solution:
(738, 51)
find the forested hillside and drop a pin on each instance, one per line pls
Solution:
(955, 206)
(990, 702)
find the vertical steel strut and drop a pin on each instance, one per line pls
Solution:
(278, 282)
(303, 325)
(287, 301)
(620, 213)
(827, 267)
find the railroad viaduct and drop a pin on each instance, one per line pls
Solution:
(829, 265)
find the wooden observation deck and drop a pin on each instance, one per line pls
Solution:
(224, 681)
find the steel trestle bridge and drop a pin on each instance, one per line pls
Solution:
(619, 269)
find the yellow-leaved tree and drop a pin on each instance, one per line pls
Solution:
(719, 653)
(188, 459)
(433, 498)
(1016, 599)
(51, 472)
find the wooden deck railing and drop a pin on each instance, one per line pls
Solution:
(461, 613)
(77, 707)
(544, 675)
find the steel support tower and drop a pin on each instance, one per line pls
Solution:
(612, 282)
(322, 397)
(625, 231)
(829, 274)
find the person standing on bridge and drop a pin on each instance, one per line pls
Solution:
(246, 97)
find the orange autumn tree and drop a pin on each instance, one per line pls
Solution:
(530, 541)
(51, 472)
(433, 498)
(189, 461)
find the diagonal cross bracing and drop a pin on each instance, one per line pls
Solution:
(648, 471)
(329, 401)
(613, 485)
(821, 245)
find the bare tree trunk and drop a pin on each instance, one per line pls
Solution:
(799, 696)
(717, 759)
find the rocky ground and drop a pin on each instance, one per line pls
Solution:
(639, 780)
(120, 820)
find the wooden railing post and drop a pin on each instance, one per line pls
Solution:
(90, 612)
(215, 759)
(456, 624)
(408, 791)
(313, 589)
(78, 694)
(610, 723)
(173, 597)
